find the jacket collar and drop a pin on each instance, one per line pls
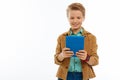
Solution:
(84, 33)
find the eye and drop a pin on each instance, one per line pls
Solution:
(71, 17)
(78, 17)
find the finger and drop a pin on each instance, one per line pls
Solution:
(69, 55)
(66, 49)
(82, 51)
(69, 52)
(79, 53)
(81, 57)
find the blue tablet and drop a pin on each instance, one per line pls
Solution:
(75, 43)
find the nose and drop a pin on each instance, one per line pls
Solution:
(75, 20)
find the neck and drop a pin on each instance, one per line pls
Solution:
(75, 31)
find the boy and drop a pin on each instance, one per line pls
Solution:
(80, 67)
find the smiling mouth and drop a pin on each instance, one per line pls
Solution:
(75, 25)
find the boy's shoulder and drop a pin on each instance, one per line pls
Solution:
(89, 34)
(65, 33)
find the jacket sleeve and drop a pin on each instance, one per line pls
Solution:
(58, 51)
(93, 52)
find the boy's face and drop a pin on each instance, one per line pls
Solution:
(75, 18)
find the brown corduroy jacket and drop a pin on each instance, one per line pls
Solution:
(90, 46)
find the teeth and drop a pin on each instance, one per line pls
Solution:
(75, 25)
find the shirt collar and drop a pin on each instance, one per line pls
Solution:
(80, 32)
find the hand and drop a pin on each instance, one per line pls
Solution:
(81, 54)
(66, 53)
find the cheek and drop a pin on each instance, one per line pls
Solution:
(80, 21)
(70, 21)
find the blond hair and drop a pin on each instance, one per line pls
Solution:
(76, 6)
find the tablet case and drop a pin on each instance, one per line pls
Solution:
(75, 43)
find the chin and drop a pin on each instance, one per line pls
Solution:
(75, 28)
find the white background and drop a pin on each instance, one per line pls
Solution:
(29, 31)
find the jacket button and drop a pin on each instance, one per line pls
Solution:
(66, 67)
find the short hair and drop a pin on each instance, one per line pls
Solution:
(76, 6)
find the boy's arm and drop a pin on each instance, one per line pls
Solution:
(93, 57)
